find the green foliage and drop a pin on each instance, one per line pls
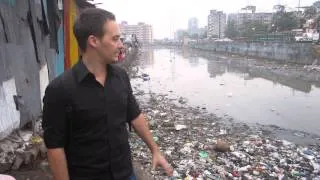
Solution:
(285, 21)
(252, 28)
(231, 30)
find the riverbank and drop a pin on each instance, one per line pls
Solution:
(299, 53)
(287, 69)
(187, 136)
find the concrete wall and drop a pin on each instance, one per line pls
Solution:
(26, 62)
(300, 53)
(10, 117)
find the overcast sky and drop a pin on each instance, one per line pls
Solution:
(166, 16)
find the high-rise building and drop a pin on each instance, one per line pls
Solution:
(143, 32)
(193, 26)
(263, 18)
(217, 21)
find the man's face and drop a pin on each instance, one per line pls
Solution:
(109, 44)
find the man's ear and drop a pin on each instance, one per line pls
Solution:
(93, 41)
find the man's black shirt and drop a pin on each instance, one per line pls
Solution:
(89, 121)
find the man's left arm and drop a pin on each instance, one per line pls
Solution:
(141, 127)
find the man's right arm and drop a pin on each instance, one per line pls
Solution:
(54, 125)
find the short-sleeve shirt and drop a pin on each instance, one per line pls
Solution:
(90, 122)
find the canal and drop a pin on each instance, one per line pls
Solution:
(231, 86)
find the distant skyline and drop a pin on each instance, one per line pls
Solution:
(166, 16)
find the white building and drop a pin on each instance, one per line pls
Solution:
(217, 23)
(143, 32)
(249, 15)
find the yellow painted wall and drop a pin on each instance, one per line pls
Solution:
(74, 50)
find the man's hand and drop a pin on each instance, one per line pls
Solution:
(159, 160)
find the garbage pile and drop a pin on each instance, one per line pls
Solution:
(200, 145)
(22, 148)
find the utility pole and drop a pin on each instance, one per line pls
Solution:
(299, 5)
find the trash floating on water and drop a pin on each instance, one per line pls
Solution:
(145, 77)
(182, 100)
(299, 134)
(273, 109)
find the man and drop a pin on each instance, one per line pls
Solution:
(86, 109)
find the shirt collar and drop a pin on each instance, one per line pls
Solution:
(82, 71)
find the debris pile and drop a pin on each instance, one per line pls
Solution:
(22, 147)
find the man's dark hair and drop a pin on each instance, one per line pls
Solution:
(90, 22)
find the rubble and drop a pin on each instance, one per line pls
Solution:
(199, 145)
(22, 147)
(223, 147)
(313, 66)
(179, 127)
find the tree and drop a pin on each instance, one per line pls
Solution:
(316, 4)
(259, 28)
(284, 21)
(302, 21)
(310, 12)
(231, 30)
(252, 28)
